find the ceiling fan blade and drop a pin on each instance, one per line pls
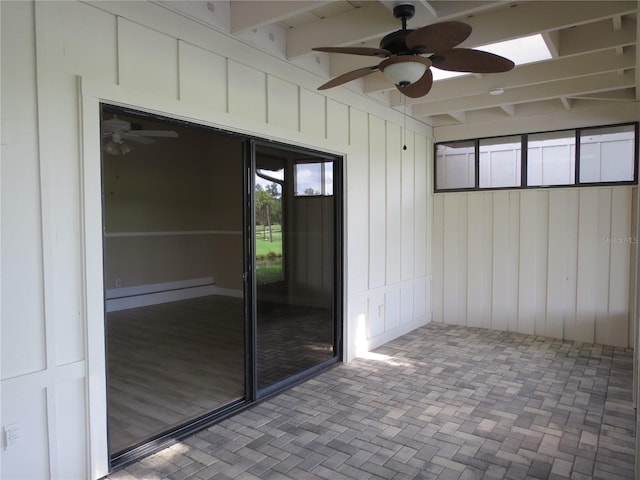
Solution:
(136, 138)
(472, 61)
(347, 77)
(371, 52)
(419, 88)
(438, 37)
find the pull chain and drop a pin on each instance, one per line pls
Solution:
(404, 123)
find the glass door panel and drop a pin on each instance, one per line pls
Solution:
(173, 261)
(295, 263)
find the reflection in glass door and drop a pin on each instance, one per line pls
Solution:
(173, 260)
(295, 249)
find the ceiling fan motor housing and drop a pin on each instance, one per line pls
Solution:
(395, 42)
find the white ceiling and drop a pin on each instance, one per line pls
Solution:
(593, 47)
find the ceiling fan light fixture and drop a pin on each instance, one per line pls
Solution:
(124, 148)
(116, 148)
(404, 70)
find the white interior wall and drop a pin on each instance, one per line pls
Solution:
(59, 60)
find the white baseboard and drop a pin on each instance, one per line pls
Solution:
(154, 294)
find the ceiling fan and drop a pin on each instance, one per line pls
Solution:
(115, 131)
(408, 55)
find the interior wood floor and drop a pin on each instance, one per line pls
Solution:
(171, 363)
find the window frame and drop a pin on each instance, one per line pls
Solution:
(524, 160)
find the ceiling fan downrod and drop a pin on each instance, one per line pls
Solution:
(404, 11)
(395, 42)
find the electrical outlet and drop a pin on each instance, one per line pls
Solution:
(11, 435)
(118, 282)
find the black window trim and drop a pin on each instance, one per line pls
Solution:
(524, 138)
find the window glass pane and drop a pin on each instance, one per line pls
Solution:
(328, 178)
(455, 165)
(313, 178)
(500, 160)
(551, 158)
(606, 154)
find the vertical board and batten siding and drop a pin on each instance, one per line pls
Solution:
(552, 262)
(148, 57)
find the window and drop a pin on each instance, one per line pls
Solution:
(456, 165)
(583, 156)
(500, 162)
(551, 158)
(313, 179)
(606, 154)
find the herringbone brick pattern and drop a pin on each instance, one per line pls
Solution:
(443, 402)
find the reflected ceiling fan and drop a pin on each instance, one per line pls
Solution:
(409, 54)
(115, 131)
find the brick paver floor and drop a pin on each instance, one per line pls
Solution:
(443, 402)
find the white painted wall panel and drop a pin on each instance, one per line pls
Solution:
(90, 43)
(357, 195)
(559, 249)
(420, 299)
(621, 242)
(582, 327)
(527, 263)
(26, 408)
(377, 202)
(407, 253)
(540, 258)
(502, 258)
(203, 77)
(480, 251)
(546, 262)
(376, 314)
(313, 114)
(420, 194)
(337, 119)
(572, 229)
(454, 280)
(394, 204)
(67, 399)
(247, 92)
(392, 308)
(406, 303)
(59, 174)
(23, 327)
(283, 104)
(147, 59)
(603, 267)
(437, 259)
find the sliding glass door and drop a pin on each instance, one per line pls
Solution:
(221, 273)
(173, 260)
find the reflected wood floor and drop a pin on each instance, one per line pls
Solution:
(171, 363)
